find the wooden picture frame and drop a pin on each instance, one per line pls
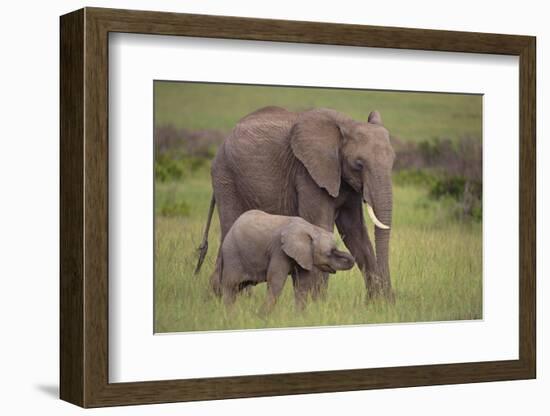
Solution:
(84, 207)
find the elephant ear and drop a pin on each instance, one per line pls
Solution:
(297, 244)
(375, 118)
(315, 141)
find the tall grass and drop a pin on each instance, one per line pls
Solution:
(435, 264)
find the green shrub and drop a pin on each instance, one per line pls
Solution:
(174, 166)
(466, 195)
(174, 209)
(431, 150)
(195, 163)
(477, 212)
(168, 168)
(452, 186)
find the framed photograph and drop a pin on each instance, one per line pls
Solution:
(255, 207)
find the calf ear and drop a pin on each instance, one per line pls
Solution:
(297, 244)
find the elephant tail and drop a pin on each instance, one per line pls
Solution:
(203, 248)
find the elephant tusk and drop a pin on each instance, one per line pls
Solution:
(375, 220)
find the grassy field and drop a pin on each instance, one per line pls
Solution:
(435, 259)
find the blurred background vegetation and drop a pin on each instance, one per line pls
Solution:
(437, 188)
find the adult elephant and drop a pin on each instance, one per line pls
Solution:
(320, 165)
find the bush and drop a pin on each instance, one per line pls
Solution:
(450, 186)
(462, 158)
(173, 166)
(167, 168)
(466, 194)
(447, 169)
(180, 152)
(174, 209)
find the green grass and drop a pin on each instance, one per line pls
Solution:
(436, 267)
(409, 116)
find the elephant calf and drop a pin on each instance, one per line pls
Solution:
(261, 247)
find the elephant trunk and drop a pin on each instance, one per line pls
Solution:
(382, 203)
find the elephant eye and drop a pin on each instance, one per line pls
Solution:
(358, 164)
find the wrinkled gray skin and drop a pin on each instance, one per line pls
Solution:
(261, 247)
(319, 165)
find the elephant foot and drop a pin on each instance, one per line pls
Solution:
(309, 286)
(379, 288)
(320, 290)
(319, 293)
(247, 291)
(300, 300)
(388, 297)
(216, 286)
(303, 295)
(266, 308)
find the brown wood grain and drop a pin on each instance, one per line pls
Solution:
(71, 208)
(527, 207)
(84, 207)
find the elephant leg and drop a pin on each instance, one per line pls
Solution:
(316, 206)
(351, 226)
(230, 208)
(232, 274)
(308, 283)
(277, 274)
(229, 294)
(226, 288)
